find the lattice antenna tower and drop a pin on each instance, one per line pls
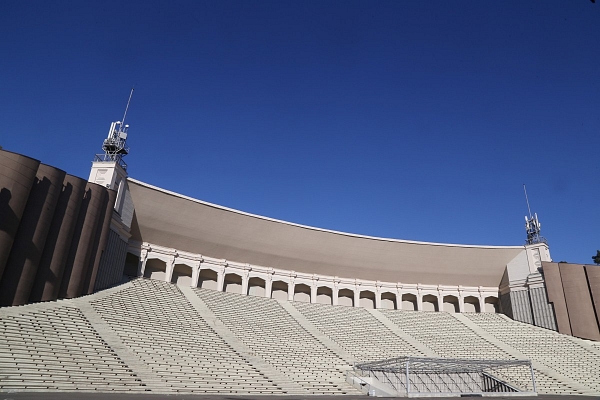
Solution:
(532, 225)
(115, 145)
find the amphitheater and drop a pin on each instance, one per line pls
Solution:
(114, 285)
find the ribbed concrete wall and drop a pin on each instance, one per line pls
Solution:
(521, 306)
(112, 262)
(52, 227)
(574, 290)
(17, 174)
(543, 314)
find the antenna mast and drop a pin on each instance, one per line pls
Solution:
(532, 225)
(115, 146)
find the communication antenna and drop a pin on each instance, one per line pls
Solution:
(115, 145)
(532, 225)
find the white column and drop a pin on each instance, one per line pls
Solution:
(170, 268)
(269, 285)
(220, 278)
(419, 299)
(399, 293)
(334, 292)
(313, 292)
(440, 300)
(245, 279)
(196, 274)
(142, 263)
(461, 300)
(377, 295)
(291, 288)
(356, 296)
(481, 301)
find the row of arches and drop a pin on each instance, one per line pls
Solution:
(277, 289)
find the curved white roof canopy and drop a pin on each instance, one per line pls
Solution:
(173, 220)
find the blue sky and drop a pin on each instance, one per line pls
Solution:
(416, 120)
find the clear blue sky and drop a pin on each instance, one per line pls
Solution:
(416, 120)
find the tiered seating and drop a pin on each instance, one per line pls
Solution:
(57, 349)
(559, 352)
(273, 335)
(160, 326)
(356, 331)
(450, 338)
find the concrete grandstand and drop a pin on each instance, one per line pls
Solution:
(133, 288)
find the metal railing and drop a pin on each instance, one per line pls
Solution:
(412, 376)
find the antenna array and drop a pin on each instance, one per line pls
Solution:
(115, 145)
(532, 225)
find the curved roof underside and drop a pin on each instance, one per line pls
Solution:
(173, 220)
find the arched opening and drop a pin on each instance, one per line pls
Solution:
(409, 302)
(366, 299)
(388, 301)
(131, 265)
(324, 295)
(430, 303)
(208, 279)
(155, 269)
(491, 304)
(346, 297)
(302, 293)
(182, 275)
(472, 304)
(279, 290)
(256, 287)
(451, 304)
(232, 283)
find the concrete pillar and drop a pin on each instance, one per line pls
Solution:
(269, 285)
(399, 293)
(356, 296)
(334, 293)
(461, 301)
(313, 292)
(245, 279)
(419, 299)
(440, 300)
(377, 296)
(220, 278)
(291, 289)
(481, 301)
(142, 263)
(196, 274)
(169, 269)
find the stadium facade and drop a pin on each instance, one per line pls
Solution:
(237, 280)
(62, 237)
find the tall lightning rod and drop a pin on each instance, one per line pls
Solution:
(127, 108)
(524, 189)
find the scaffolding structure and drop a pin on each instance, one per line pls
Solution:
(419, 376)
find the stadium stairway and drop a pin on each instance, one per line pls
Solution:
(271, 333)
(149, 335)
(572, 360)
(448, 336)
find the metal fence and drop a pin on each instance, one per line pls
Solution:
(419, 375)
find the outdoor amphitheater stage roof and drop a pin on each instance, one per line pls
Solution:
(173, 220)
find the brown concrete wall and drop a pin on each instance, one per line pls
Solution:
(100, 242)
(54, 258)
(593, 276)
(17, 174)
(83, 241)
(53, 229)
(576, 289)
(556, 296)
(22, 264)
